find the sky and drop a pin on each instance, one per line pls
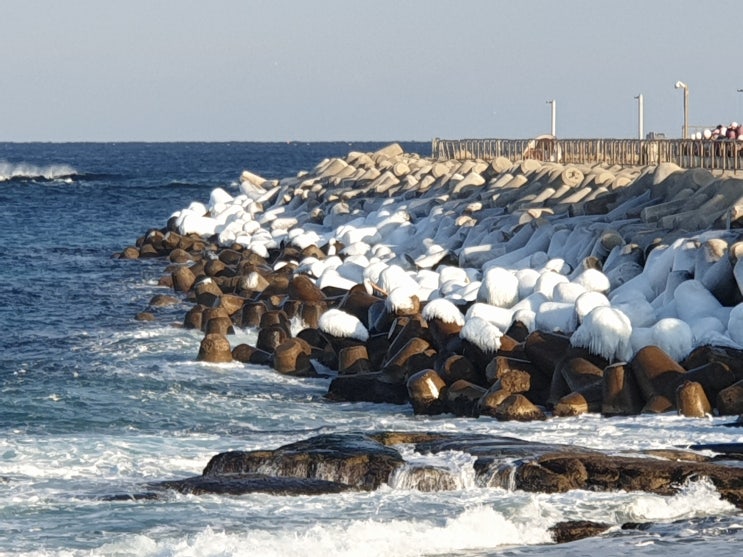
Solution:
(382, 70)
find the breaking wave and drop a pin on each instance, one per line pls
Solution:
(20, 172)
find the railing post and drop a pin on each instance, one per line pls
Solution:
(721, 154)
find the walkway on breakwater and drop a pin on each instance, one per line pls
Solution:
(720, 155)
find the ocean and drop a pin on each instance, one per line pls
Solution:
(95, 404)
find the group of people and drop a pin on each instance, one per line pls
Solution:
(732, 131)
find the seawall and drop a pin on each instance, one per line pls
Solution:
(485, 260)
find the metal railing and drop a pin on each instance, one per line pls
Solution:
(686, 153)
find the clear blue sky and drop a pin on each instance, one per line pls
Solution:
(278, 70)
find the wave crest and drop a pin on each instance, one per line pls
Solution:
(25, 171)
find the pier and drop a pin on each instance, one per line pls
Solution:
(720, 155)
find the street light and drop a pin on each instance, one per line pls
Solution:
(553, 102)
(685, 87)
(640, 116)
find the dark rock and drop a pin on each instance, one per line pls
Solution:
(220, 325)
(230, 256)
(255, 483)
(730, 357)
(215, 348)
(252, 313)
(517, 331)
(214, 267)
(657, 373)
(144, 316)
(729, 401)
(424, 390)
(620, 396)
(580, 373)
(713, 377)
(348, 459)
(148, 251)
(303, 289)
(231, 303)
(513, 381)
(462, 398)
(210, 313)
(572, 530)
(379, 318)
(458, 367)
(411, 358)
(546, 350)
(207, 292)
(539, 385)
(292, 357)
(405, 328)
(354, 359)
(691, 400)
(194, 318)
(441, 332)
(276, 317)
(310, 313)
(604, 472)
(250, 355)
(377, 347)
(130, 252)
(518, 407)
(357, 302)
(271, 337)
(366, 387)
(183, 279)
(491, 400)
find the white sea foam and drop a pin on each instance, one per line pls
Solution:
(471, 530)
(458, 468)
(696, 499)
(10, 171)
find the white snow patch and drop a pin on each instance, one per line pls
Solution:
(341, 324)
(443, 310)
(481, 333)
(499, 287)
(605, 331)
(500, 317)
(674, 336)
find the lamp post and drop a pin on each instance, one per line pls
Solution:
(685, 87)
(640, 116)
(553, 129)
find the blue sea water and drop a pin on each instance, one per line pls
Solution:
(94, 403)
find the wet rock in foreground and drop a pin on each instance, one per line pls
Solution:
(337, 462)
(352, 460)
(255, 483)
(571, 530)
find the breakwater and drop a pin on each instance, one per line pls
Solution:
(717, 155)
(475, 287)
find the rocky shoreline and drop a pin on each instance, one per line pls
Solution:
(596, 299)
(524, 291)
(353, 461)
